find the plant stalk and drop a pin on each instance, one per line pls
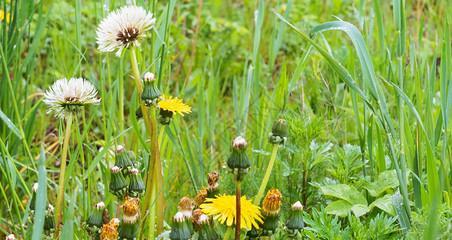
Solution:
(238, 210)
(268, 172)
(154, 165)
(60, 196)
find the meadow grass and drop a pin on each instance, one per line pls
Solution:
(374, 74)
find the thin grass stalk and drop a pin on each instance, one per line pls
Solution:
(154, 164)
(268, 172)
(60, 196)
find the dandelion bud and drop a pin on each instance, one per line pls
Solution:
(118, 184)
(212, 181)
(204, 228)
(95, 219)
(253, 234)
(136, 185)
(271, 207)
(131, 209)
(294, 223)
(34, 189)
(169, 106)
(109, 230)
(238, 162)
(122, 158)
(165, 117)
(151, 93)
(181, 229)
(279, 132)
(11, 237)
(49, 220)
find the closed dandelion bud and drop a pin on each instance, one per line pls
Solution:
(204, 227)
(49, 220)
(151, 93)
(136, 185)
(279, 132)
(271, 207)
(34, 189)
(252, 234)
(294, 223)
(122, 157)
(200, 197)
(128, 231)
(131, 210)
(212, 181)
(180, 229)
(238, 162)
(165, 117)
(10, 237)
(95, 219)
(109, 230)
(118, 183)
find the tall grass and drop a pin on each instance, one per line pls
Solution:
(240, 65)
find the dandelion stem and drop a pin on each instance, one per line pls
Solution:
(237, 209)
(60, 197)
(154, 165)
(268, 172)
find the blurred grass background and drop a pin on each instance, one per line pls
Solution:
(240, 68)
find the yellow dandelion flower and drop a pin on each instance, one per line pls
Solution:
(222, 208)
(174, 105)
(4, 16)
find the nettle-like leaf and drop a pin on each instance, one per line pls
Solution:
(385, 181)
(384, 203)
(344, 192)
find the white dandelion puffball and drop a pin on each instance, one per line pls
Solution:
(67, 96)
(123, 28)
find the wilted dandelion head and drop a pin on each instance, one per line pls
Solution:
(67, 96)
(131, 209)
(223, 210)
(173, 105)
(109, 230)
(272, 202)
(123, 28)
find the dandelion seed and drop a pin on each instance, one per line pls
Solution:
(124, 28)
(67, 96)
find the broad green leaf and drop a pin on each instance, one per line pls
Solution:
(339, 208)
(384, 203)
(344, 192)
(386, 180)
(360, 209)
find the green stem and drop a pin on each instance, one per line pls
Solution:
(60, 197)
(121, 101)
(228, 234)
(154, 165)
(268, 172)
(237, 209)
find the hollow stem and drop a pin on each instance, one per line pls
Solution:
(238, 209)
(60, 196)
(268, 172)
(154, 165)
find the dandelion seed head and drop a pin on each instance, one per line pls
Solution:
(123, 28)
(67, 96)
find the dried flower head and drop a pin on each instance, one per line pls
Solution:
(200, 197)
(109, 230)
(123, 28)
(199, 217)
(100, 206)
(212, 180)
(149, 77)
(11, 237)
(131, 209)
(272, 202)
(297, 206)
(179, 217)
(186, 206)
(67, 96)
